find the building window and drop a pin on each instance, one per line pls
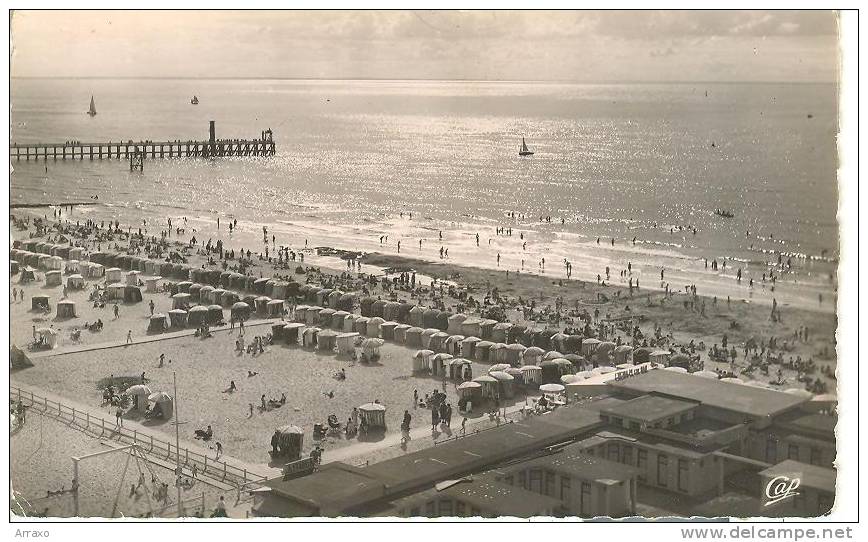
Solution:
(614, 450)
(617, 421)
(586, 499)
(522, 479)
(641, 463)
(771, 450)
(816, 456)
(565, 488)
(662, 470)
(683, 472)
(635, 426)
(445, 507)
(460, 509)
(605, 418)
(793, 452)
(627, 455)
(509, 480)
(535, 480)
(549, 484)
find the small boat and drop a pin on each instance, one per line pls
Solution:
(92, 110)
(724, 214)
(195, 100)
(523, 151)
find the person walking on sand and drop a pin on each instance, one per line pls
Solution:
(151, 306)
(119, 420)
(435, 418)
(129, 336)
(117, 311)
(219, 450)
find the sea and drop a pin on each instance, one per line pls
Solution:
(622, 174)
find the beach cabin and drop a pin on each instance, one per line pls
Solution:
(347, 302)
(178, 318)
(505, 382)
(322, 296)
(154, 284)
(197, 315)
(346, 343)
(325, 317)
(622, 354)
(429, 318)
(326, 340)
(274, 308)
(229, 298)
(75, 282)
(482, 351)
(112, 275)
(373, 327)
(440, 364)
(500, 331)
(215, 314)
(460, 369)
(55, 263)
(453, 344)
(72, 266)
(334, 299)
(308, 337)
(365, 306)
(400, 332)
(468, 347)
(387, 330)
(115, 291)
(550, 372)
(259, 285)
(261, 304)
(659, 356)
(489, 385)
(311, 315)
(513, 354)
(289, 443)
(378, 308)
(531, 375)
(360, 324)
(371, 349)
(157, 323)
(180, 301)
(292, 333)
(338, 320)
(195, 292)
(278, 291)
(471, 327)
(139, 395)
(66, 309)
(13, 267)
(350, 323)
(422, 361)
(392, 311)
(76, 253)
(132, 278)
(53, 278)
(589, 346)
(240, 311)
(47, 337)
(184, 287)
(417, 316)
(532, 355)
(413, 337)
(521, 334)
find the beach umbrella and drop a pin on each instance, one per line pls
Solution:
(372, 407)
(485, 378)
(443, 356)
(551, 388)
(423, 353)
(139, 389)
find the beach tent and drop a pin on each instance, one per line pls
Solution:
(350, 322)
(489, 384)
(346, 302)
(278, 290)
(346, 343)
(468, 346)
(180, 301)
(513, 354)
(215, 314)
(53, 278)
(426, 336)
(659, 356)
(13, 267)
(482, 351)
(178, 318)
(274, 308)
(437, 341)
(66, 309)
(261, 303)
(371, 349)
(75, 282)
(338, 320)
(325, 317)
(413, 337)
(387, 330)
(443, 320)
(550, 371)
(373, 326)
(240, 311)
(453, 344)
(417, 316)
(559, 341)
(299, 314)
(39, 302)
(505, 383)
(365, 306)
(400, 333)
(532, 355)
(589, 346)
(471, 327)
(259, 285)
(308, 337)
(372, 416)
(184, 286)
(531, 375)
(311, 316)
(460, 369)
(334, 298)
(429, 318)
(55, 263)
(277, 330)
(228, 298)
(520, 334)
(112, 275)
(497, 353)
(439, 364)
(392, 311)
(322, 296)
(195, 291)
(292, 332)
(18, 359)
(133, 278)
(47, 336)
(197, 315)
(157, 323)
(360, 324)
(422, 360)
(378, 307)
(215, 296)
(72, 266)
(326, 340)
(139, 394)
(163, 405)
(622, 354)
(500, 331)
(95, 271)
(565, 366)
(27, 275)
(76, 253)
(132, 294)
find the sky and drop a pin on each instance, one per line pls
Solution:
(580, 46)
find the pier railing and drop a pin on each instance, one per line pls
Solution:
(148, 149)
(215, 469)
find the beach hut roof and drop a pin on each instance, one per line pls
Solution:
(372, 407)
(177, 311)
(459, 361)
(575, 358)
(551, 388)
(46, 331)
(498, 367)
(553, 354)
(240, 305)
(180, 296)
(76, 276)
(675, 369)
(423, 353)
(293, 325)
(199, 308)
(471, 339)
(442, 356)
(470, 385)
(518, 347)
(548, 363)
(328, 333)
(275, 302)
(290, 430)
(264, 298)
(563, 361)
(623, 348)
(484, 344)
(485, 378)
(529, 368)
(534, 351)
(501, 376)
(215, 308)
(591, 341)
(660, 353)
(567, 379)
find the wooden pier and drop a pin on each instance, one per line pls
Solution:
(212, 148)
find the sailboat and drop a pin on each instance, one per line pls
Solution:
(524, 151)
(195, 100)
(92, 110)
